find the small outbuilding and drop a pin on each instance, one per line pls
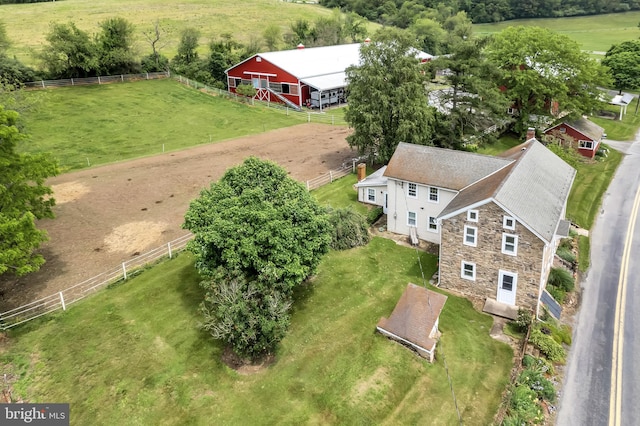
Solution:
(582, 134)
(414, 320)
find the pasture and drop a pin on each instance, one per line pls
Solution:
(133, 354)
(91, 125)
(28, 24)
(593, 33)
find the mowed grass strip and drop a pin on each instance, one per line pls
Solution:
(133, 354)
(100, 124)
(28, 24)
(593, 33)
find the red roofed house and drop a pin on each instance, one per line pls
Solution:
(313, 77)
(582, 134)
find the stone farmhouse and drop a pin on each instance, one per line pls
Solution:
(497, 220)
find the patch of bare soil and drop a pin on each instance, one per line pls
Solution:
(135, 237)
(243, 366)
(105, 214)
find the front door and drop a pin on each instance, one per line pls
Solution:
(386, 200)
(507, 285)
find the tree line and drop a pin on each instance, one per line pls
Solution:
(402, 14)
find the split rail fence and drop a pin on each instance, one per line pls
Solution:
(107, 79)
(64, 298)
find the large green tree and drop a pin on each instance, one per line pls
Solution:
(23, 198)
(472, 101)
(115, 47)
(258, 234)
(623, 61)
(70, 52)
(387, 98)
(543, 68)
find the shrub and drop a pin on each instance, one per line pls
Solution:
(541, 364)
(566, 254)
(547, 345)
(524, 320)
(350, 229)
(559, 294)
(535, 380)
(524, 404)
(566, 243)
(560, 333)
(561, 278)
(374, 214)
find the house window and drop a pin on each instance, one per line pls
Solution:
(507, 280)
(434, 194)
(433, 224)
(586, 144)
(563, 130)
(470, 235)
(411, 219)
(510, 244)
(508, 223)
(512, 111)
(412, 190)
(371, 195)
(472, 215)
(232, 81)
(468, 271)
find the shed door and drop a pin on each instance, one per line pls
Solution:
(507, 285)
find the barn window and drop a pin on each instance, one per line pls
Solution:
(232, 82)
(276, 87)
(586, 144)
(285, 88)
(293, 89)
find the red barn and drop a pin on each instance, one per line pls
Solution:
(584, 135)
(313, 77)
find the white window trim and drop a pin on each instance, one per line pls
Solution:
(515, 244)
(369, 195)
(475, 236)
(437, 200)
(471, 213)
(583, 144)
(429, 224)
(462, 270)
(409, 187)
(415, 219)
(501, 275)
(505, 219)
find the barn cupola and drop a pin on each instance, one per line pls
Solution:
(367, 40)
(300, 46)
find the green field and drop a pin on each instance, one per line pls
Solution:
(133, 354)
(106, 123)
(594, 33)
(28, 24)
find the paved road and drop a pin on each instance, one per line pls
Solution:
(586, 397)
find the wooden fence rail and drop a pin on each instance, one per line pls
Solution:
(45, 84)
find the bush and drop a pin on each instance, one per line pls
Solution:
(560, 333)
(540, 364)
(350, 229)
(547, 345)
(373, 215)
(566, 254)
(561, 278)
(524, 320)
(566, 243)
(524, 404)
(559, 294)
(534, 380)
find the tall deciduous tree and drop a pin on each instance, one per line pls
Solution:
(23, 198)
(187, 48)
(115, 47)
(272, 36)
(258, 234)
(70, 52)
(623, 61)
(541, 67)
(387, 99)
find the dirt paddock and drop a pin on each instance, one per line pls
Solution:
(106, 215)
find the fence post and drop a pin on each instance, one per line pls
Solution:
(330, 176)
(72, 82)
(169, 246)
(147, 76)
(122, 78)
(64, 307)
(308, 117)
(353, 166)
(99, 82)
(307, 185)
(43, 86)
(124, 270)
(287, 109)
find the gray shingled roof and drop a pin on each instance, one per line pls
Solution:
(374, 179)
(440, 167)
(587, 128)
(537, 188)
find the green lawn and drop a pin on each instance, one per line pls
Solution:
(133, 354)
(340, 193)
(106, 123)
(28, 24)
(505, 142)
(593, 33)
(620, 130)
(592, 180)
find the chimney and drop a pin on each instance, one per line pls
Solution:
(300, 46)
(531, 133)
(362, 171)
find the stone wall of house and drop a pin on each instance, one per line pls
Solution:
(488, 256)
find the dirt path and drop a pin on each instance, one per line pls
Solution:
(105, 215)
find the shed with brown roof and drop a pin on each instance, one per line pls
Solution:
(414, 320)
